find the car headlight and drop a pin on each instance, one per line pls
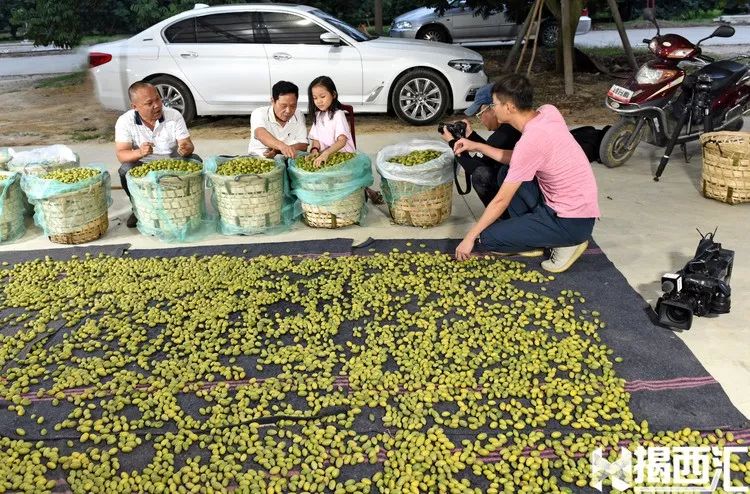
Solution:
(647, 75)
(470, 66)
(402, 25)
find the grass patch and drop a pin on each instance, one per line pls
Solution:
(604, 52)
(91, 134)
(64, 80)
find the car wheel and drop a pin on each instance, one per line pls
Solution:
(174, 94)
(549, 33)
(434, 33)
(420, 97)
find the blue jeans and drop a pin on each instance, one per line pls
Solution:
(531, 224)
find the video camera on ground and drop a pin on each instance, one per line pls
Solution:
(456, 129)
(700, 288)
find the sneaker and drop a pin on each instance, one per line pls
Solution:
(563, 258)
(132, 221)
(527, 253)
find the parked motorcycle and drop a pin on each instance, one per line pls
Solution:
(666, 104)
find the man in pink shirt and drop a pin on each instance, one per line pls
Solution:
(549, 191)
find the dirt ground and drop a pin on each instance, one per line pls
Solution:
(34, 115)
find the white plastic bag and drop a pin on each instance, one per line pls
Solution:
(57, 154)
(432, 173)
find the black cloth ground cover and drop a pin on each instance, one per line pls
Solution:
(668, 386)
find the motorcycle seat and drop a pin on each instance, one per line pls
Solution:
(724, 73)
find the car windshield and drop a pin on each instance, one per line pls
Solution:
(341, 25)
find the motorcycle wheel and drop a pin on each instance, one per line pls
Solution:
(613, 151)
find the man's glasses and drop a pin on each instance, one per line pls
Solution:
(488, 107)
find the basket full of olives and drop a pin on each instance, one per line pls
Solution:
(248, 193)
(167, 196)
(417, 183)
(71, 203)
(332, 194)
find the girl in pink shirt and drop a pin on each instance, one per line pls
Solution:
(330, 131)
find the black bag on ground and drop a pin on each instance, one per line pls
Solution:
(589, 138)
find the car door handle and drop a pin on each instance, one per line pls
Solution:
(190, 54)
(281, 56)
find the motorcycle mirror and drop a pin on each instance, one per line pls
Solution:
(649, 14)
(723, 31)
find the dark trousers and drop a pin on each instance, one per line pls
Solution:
(531, 224)
(125, 167)
(484, 182)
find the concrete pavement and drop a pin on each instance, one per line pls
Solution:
(636, 36)
(646, 229)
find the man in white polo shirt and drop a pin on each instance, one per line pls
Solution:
(149, 132)
(279, 128)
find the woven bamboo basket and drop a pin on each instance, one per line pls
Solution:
(76, 217)
(418, 205)
(12, 216)
(38, 170)
(253, 202)
(726, 166)
(178, 199)
(338, 214)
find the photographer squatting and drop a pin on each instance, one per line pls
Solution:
(546, 194)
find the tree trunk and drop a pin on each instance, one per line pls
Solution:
(517, 45)
(574, 16)
(379, 17)
(567, 36)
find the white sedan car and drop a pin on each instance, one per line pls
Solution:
(223, 61)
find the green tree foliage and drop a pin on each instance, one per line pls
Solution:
(65, 22)
(7, 7)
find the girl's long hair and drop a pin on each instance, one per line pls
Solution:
(327, 83)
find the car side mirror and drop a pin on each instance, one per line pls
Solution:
(723, 31)
(330, 39)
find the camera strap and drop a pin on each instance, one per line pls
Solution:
(467, 174)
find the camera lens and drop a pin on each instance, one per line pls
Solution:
(678, 315)
(667, 287)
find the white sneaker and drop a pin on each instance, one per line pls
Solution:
(563, 258)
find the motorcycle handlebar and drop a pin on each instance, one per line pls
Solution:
(647, 41)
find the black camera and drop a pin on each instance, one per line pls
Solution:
(456, 129)
(700, 288)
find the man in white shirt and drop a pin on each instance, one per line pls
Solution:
(279, 128)
(149, 132)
